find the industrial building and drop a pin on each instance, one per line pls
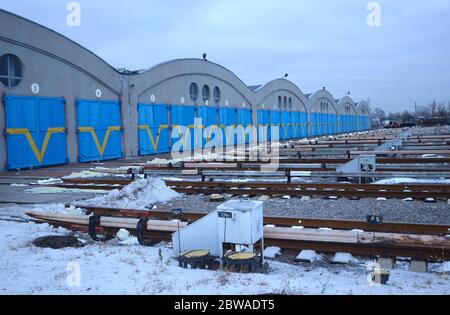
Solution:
(61, 103)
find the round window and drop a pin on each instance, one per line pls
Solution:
(11, 70)
(193, 91)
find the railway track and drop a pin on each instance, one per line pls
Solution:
(406, 245)
(385, 227)
(328, 190)
(302, 161)
(415, 191)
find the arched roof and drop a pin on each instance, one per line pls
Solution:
(363, 105)
(347, 100)
(20, 31)
(315, 98)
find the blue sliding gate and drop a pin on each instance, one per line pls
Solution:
(182, 119)
(275, 125)
(285, 132)
(99, 130)
(295, 125)
(263, 126)
(35, 131)
(227, 118)
(153, 129)
(303, 125)
(244, 119)
(209, 122)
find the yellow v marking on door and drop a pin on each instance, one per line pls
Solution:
(24, 131)
(101, 149)
(150, 135)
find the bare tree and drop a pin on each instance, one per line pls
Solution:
(393, 116)
(422, 112)
(407, 116)
(379, 113)
(441, 109)
(432, 106)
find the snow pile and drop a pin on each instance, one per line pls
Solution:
(85, 174)
(308, 255)
(19, 185)
(343, 258)
(126, 239)
(430, 156)
(163, 161)
(119, 170)
(445, 267)
(49, 181)
(141, 194)
(272, 252)
(405, 180)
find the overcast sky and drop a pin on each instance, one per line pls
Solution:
(317, 42)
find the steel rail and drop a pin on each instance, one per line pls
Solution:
(434, 253)
(325, 161)
(388, 227)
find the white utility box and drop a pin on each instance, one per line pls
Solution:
(237, 222)
(360, 164)
(240, 222)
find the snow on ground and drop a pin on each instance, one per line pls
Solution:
(445, 267)
(197, 157)
(272, 252)
(85, 174)
(343, 258)
(18, 212)
(118, 269)
(60, 190)
(405, 180)
(49, 181)
(140, 194)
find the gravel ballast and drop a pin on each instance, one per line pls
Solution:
(393, 210)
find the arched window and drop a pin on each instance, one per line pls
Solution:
(280, 101)
(290, 102)
(216, 95)
(206, 93)
(11, 69)
(285, 102)
(193, 91)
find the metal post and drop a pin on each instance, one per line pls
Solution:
(179, 236)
